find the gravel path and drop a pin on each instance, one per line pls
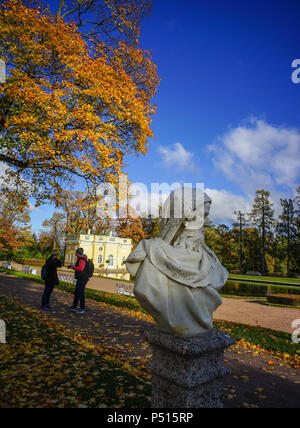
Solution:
(255, 312)
(245, 311)
(252, 381)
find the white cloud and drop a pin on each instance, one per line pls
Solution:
(259, 155)
(177, 158)
(33, 208)
(224, 204)
(147, 200)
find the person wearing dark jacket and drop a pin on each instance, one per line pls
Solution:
(51, 280)
(82, 277)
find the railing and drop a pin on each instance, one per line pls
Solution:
(125, 289)
(32, 262)
(28, 269)
(67, 278)
(6, 265)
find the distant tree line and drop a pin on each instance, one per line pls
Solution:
(256, 241)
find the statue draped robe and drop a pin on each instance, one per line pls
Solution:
(177, 286)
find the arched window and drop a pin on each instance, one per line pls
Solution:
(111, 260)
(99, 260)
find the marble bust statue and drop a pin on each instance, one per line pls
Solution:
(177, 277)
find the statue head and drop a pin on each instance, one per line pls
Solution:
(189, 204)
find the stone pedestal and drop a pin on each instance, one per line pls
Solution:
(188, 371)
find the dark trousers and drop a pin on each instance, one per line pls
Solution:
(79, 293)
(47, 295)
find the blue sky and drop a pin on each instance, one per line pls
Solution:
(228, 112)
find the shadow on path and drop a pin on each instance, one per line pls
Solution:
(251, 382)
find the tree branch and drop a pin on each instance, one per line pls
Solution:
(78, 8)
(59, 10)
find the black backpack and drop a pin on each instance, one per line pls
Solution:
(89, 268)
(44, 273)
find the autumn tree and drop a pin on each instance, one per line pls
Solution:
(14, 222)
(262, 216)
(15, 207)
(79, 210)
(227, 250)
(151, 226)
(220, 240)
(10, 239)
(81, 216)
(45, 243)
(131, 228)
(109, 20)
(74, 102)
(55, 227)
(32, 249)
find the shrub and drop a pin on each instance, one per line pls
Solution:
(236, 288)
(284, 299)
(30, 262)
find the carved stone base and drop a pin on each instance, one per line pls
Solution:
(188, 371)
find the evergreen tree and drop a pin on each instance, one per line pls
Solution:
(297, 211)
(262, 216)
(252, 249)
(287, 228)
(241, 223)
(296, 252)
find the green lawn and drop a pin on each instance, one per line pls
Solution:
(266, 278)
(271, 340)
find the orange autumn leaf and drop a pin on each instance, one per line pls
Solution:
(69, 110)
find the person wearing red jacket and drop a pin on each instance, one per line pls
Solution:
(82, 277)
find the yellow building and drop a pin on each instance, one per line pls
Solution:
(107, 252)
